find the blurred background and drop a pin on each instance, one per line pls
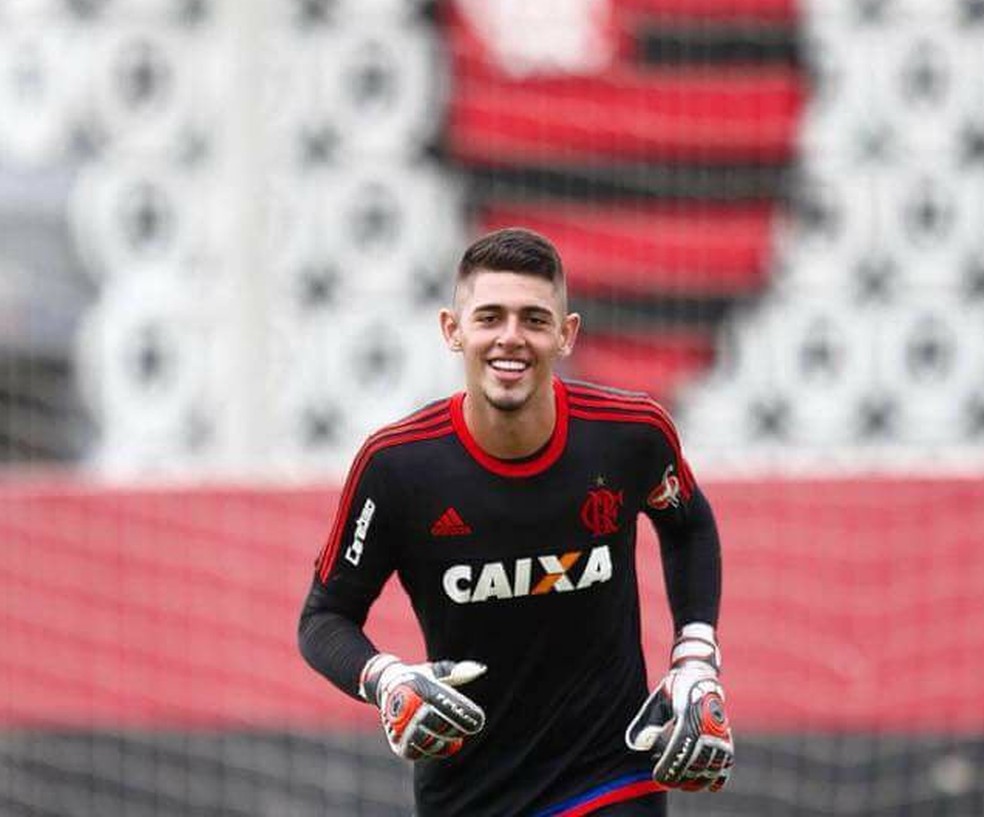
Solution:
(226, 227)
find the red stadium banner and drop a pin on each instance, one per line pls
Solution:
(669, 249)
(501, 114)
(671, 360)
(848, 605)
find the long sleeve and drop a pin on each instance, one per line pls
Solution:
(350, 572)
(689, 544)
(691, 555)
(333, 642)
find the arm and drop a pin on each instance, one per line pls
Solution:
(421, 712)
(332, 640)
(354, 564)
(683, 724)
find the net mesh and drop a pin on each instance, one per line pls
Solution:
(211, 211)
(149, 647)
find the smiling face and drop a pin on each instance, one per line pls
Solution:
(511, 328)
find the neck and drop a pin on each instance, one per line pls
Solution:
(511, 434)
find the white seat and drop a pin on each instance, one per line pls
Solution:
(378, 86)
(40, 91)
(126, 214)
(356, 370)
(389, 213)
(154, 85)
(146, 363)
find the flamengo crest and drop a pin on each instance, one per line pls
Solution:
(599, 513)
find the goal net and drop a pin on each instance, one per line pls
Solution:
(213, 213)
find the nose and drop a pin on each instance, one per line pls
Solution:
(511, 332)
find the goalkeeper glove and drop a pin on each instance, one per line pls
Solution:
(683, 723)
(422, 714)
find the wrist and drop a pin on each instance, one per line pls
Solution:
(373, 675)
(695, 645)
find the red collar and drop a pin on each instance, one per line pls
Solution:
(515, 468)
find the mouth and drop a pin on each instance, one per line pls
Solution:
(509, 368)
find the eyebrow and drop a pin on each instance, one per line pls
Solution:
(526, 310)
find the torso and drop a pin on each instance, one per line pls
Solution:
(529, 567)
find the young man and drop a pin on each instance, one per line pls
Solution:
(509, 513)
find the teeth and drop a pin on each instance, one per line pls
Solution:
(509, 365)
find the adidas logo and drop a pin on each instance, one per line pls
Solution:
(450, 523)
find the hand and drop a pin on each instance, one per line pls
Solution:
(422, 714)
(683, 722)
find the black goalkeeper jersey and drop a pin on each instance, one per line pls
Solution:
(527, 566)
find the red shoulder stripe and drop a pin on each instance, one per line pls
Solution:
(589, 396)
(581, 389)
(613, 415)
(647, 406)
(426, 418)
(331, 548)
(650, 413)
(428, 423)
(428, 412)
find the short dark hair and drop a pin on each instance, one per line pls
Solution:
(513, 249)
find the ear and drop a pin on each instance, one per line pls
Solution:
(568, 333)
(451, 329)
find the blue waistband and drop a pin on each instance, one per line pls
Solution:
(596, 792)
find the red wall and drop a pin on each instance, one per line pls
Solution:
(848, 605)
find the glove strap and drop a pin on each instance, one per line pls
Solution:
(370, 679)
(696, 642)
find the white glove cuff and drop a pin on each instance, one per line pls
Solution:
(696, 642)
(378, 665)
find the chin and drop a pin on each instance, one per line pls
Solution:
(506, 400)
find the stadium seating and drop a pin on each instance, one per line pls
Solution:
(869, 341)
(225, 229)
